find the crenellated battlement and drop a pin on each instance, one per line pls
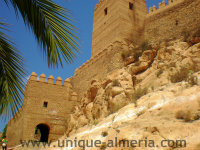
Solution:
(99, 4)
(164, 5)
(42, 78)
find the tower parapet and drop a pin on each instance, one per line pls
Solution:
(42, 79)
(110, 25)
(164, 5)
(51, 79)
(99, 4)
(33, 76)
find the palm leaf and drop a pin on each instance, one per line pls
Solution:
(11, 76)
(50, 25)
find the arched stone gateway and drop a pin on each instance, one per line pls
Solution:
(42, 132)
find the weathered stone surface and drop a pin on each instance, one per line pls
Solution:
(116, 91)
(94, 91)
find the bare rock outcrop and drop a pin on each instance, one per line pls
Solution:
(169, 107)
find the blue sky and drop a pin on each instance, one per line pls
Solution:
(34, 61)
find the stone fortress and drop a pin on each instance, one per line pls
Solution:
(118, 26)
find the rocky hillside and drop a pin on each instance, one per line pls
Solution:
(153, 99)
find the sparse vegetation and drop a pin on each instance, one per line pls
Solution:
(141, 112)
(115, 83)
(138, 93)
(160, 71)
(192, 80)
(173, 64)
(188, 116)
(185, 115)
(197, 33)
(135, 80)
(137, 51)
(137, 55)
(104, 133)
(126, 54)
(145, 46)
(191, 39)
(184, 74)
(180, 114)
(94, 122)
(196, 116)
(180, 75)
(186, 36)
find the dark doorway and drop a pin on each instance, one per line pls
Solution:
(42, 132)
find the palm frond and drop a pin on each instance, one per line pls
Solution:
(11, 76)
(50, 25)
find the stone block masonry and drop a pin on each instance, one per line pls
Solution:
(169, 21)
(45, 103)
(118, 26)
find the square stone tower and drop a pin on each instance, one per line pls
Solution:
(45, 111)
(117, 20)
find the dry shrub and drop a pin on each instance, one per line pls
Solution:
(186, 36)
(188, 116)
(138, 54)
(115, 83)
(191, 39)
(196, 33)
(104, 133)
(145, 45)
(160, 71)
(138, 51)
(192, 80)
(196, 116)
(138, 93)
(180, 75)
(126, 54)
(180, 114)
(185, 115)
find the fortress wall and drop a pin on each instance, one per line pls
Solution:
(61, 101)
(120, 23)
(15, 129)
(169, 21)
(60, 104)
(98, 67)
(106, 28)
